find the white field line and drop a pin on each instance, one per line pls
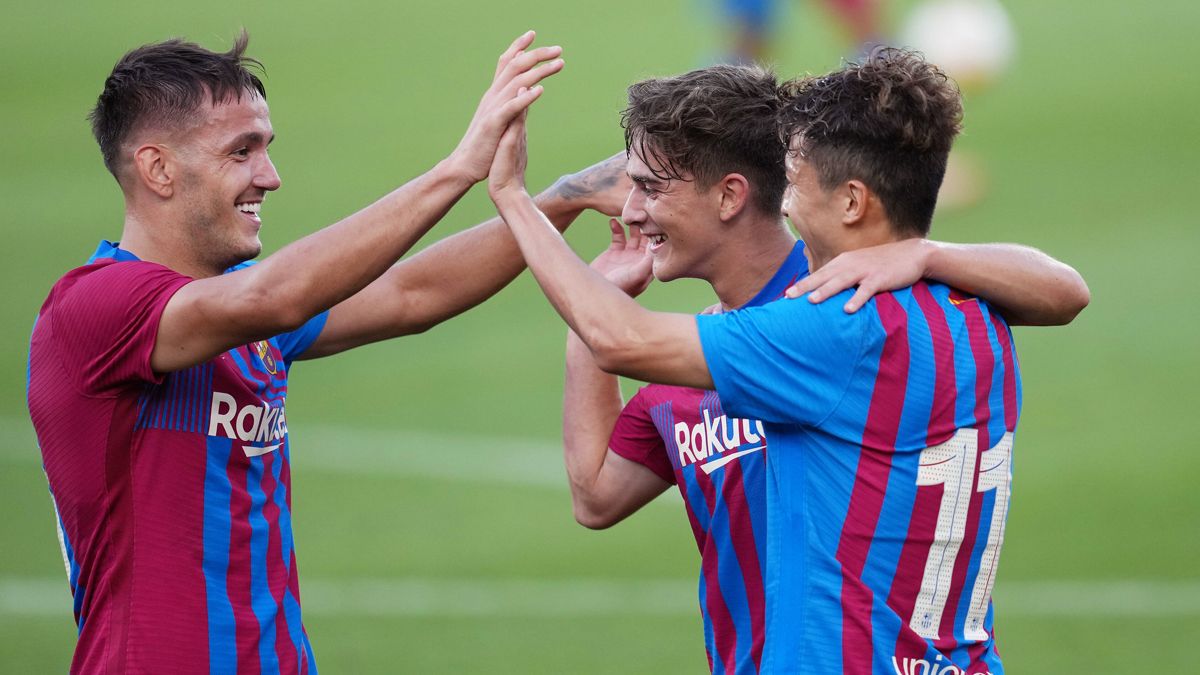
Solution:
(448, 456)
(412, 597)
(462, 458)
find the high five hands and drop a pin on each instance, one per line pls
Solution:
(514, 88)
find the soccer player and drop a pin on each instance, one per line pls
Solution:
(157, 381)
(750, 25)
(890, 429)
(618, 457)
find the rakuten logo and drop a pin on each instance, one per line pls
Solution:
(910, 666)
(713, 436)
(258, 424)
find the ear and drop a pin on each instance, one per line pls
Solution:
(734, 192)
(857, 197)
(153, 168)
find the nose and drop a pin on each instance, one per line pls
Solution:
(634, 212)
(267, 178)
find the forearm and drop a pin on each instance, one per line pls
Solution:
(623, 337)
(591, 404)
(461, 271)
(328, 266)
(1027, 286)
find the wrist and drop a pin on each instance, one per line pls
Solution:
(560, 209)
(453, 170)
(932, 255)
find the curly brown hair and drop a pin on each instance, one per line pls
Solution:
(165, 83)
(888, 120)
(709, 123)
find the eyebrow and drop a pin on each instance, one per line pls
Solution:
(646, 179)
(250, 138)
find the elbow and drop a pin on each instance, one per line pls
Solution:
(594, 518)
(1073, 301)
(611, 354)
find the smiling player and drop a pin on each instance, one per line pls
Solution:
(157, 381)
(709, 175)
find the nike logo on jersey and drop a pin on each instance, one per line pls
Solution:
(718, 463)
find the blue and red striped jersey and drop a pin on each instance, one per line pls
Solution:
(717, 461)
(888, 478)
(173, 492)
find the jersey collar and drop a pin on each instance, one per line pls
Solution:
(109, 250)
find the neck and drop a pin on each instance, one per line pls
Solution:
(754, 255)
(853, 239)
(147, 238)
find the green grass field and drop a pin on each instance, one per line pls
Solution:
(431, 512)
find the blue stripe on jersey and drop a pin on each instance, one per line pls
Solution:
(996, 425)
(180, 403)
(291, 608)
(78, 593)
(901, 491)
(261, 600)
(269, 387)
(964, 601)
(730, 579)
(222, 631)
(710, 637)
(308, 653)
(964, 362)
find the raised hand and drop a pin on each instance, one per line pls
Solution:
(626, 262)
(602, 187)
(514, 88)
(507, 173)
(875, 269)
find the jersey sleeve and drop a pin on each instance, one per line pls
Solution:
(106, 323)
(295, 343)
(787, 362)
(636, 438)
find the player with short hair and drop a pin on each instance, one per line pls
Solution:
(158, 370)
(808, 371)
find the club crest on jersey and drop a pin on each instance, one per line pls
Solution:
(263, 349)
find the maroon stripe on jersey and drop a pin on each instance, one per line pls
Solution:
(724, 630)
(238, 577)
(277, 575)
(910, 568)
(741, 531)
(119, 498)
(981, 350)
(1010, 373)
(170, 493)
(870, 483)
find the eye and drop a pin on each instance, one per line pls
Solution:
(242, 152)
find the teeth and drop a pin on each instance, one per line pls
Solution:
(249, 207)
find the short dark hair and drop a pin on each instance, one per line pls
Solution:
(165, 83)
(709, 123)
(888, 120)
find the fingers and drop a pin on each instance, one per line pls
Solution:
(805, 285)
(515, 48)
(519, 104)
(531, 77)
(636, 239)
(523, 63)
(860, 298)
(618, 233)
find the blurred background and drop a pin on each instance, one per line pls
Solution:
(431, 511)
